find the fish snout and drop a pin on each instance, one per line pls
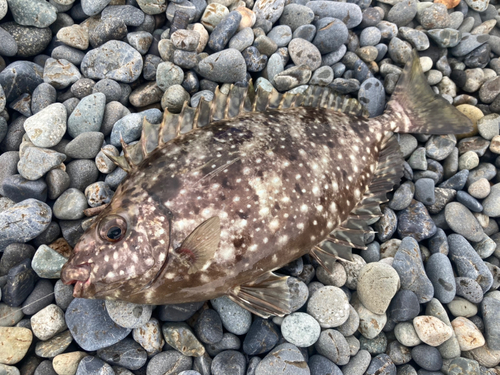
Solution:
(71, 274)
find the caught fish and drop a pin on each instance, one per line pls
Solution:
(219, 197)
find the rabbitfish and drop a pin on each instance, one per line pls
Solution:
(219, 197)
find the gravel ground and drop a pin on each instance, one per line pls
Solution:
(75, 75)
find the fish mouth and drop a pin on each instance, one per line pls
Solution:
(78, 275)
(80, 288)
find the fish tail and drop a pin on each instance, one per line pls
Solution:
(415, 108)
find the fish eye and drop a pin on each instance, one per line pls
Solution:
(112, 228)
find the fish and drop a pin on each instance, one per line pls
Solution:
(220, 197)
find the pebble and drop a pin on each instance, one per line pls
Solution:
(35, 162)
(461, 307)
(168, 362)
(377, 285)
(128, 315)
(468, 335)
(440, 273)
(296, 15)
(333, 346)
(432, 330)
(329, 306)
(48, 322)
(229, 341)
(339, 11)
(414, 221)
(178, 312)
(208, 327)
(404, 306)
(23, 221)
(91, 326)
(224, 30)
(491, 207)
(15, 342)
(490, 308)
(427, 357)
(129, 127)
(409, 265)
(235, 319)
(88, 115)
(47, 263)
(123, 62)
(126, 353)
(149, 336)
(226, 66)
(468, 262)
(300, 329)
(461, 220)
(319, 364)
(285, 358)
(381, 364)
(47, 127)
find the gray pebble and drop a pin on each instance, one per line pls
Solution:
(440, 273)
(234, 318)
(226, 66)
(88, 115)
(70, 205)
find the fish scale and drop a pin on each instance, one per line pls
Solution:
(219, 197)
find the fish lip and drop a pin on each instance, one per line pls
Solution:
(81, 288)
(76, 274)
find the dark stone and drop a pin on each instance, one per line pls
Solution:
(20, 283)
(208, 327)
(178, 312)
(224, 31)
(404, 306)
(18, 188)
(261, 338)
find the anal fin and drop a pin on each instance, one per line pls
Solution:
(267, 296)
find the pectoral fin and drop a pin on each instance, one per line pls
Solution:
(200, 245)
(267, 296)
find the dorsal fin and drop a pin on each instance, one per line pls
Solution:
(229, 102)
(200, 245)
(352, 231)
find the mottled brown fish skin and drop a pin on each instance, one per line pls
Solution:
(279, 181)
(247, 195)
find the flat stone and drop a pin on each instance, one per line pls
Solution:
(126, 353)
(262, 336)
(377, 285)
(47, 127)
(409, 265)
(170, 361)
(226, 66)
(15, 342)
(48, 322)
(468, 262)
(128, 315)
(431, 330)
(468, 335)
(91, 326)
(47, 263)
(35, 162)
(114, 60)
(340, 11)
(23, 221)
(235, 319)
(30, 40)
(329, 306)
(88, 115)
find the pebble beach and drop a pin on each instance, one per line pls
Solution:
(76, 76)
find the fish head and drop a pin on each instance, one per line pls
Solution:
(123, 250)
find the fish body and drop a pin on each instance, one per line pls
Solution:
(214, 211)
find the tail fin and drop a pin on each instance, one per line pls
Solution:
(415, 108)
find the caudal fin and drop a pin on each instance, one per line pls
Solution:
(415, 108)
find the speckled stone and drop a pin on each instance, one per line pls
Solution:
(468, 262)
(377, 285)
(126, 353)
(235, 319)
(329, 306)
(23, 221)
(409, 265)
(47, 263)
(285, 358)
(168, 362)
(47, 127)
(414, 221)
(128, 315)
(88, 115)
(122, 62)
